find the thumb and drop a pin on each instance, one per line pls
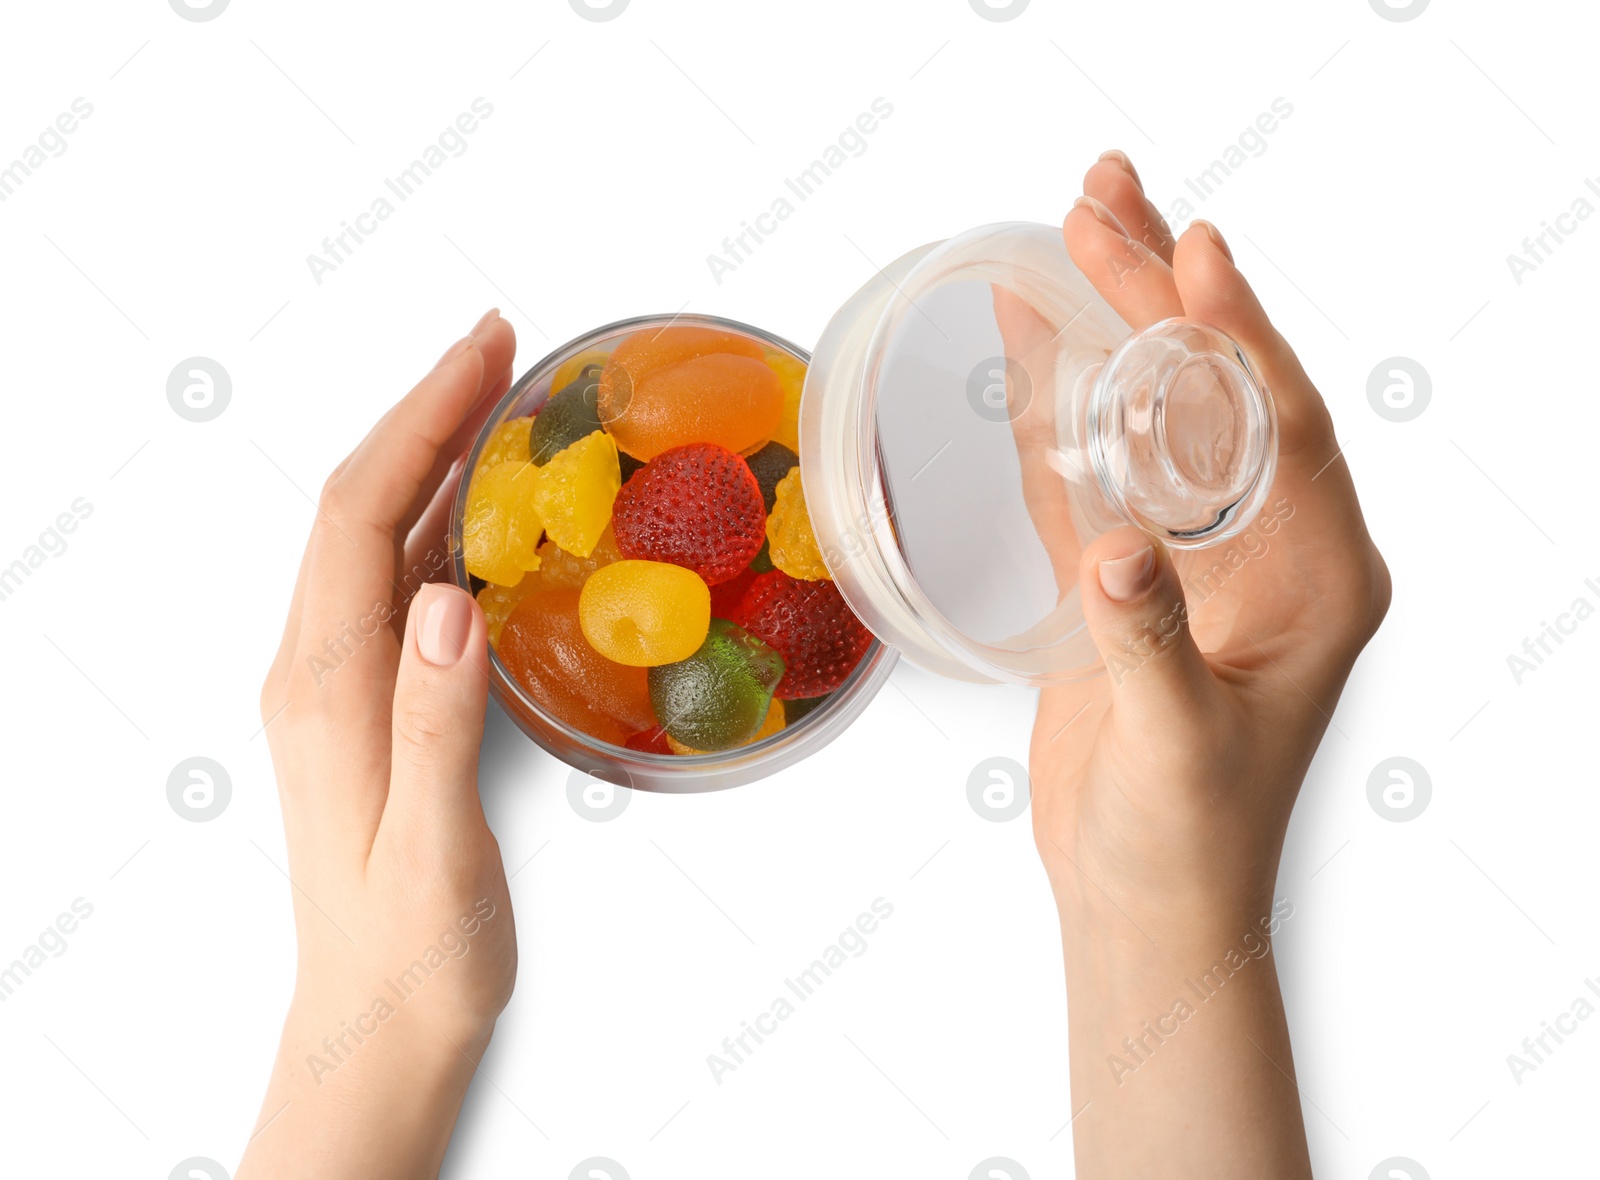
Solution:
(1134, 605)
(440, 693)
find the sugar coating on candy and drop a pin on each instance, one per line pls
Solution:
(810, 626)
(644, 613)
(543, 646)
(769, 465)
(791, 543)
(675, 386)
(568, 416)
(575, 490)
(501, 525)
(697, 506)
(557, 567)
(792, 377)
(719, 695)
(508, 443)
(777, 719)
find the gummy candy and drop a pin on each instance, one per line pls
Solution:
(557, 567)
(725, 596)
(543, 646)
(499, 601)
(568, 416)
(732, 401)
(769, 465)
(645, 559)
(684, 385)
(811, 627)
(654, 349)
(794, 710)
(572, 368)
(792, 375)
(575, 491)
(508, 443)
(719, 695)
(777, 718)
(644, 613)
(501, 526)
(651, 741)
(696, 506)
(791, 543)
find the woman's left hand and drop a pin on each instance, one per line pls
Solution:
(374, 711)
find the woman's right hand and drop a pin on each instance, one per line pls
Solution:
(1162, 790)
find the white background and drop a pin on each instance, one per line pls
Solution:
(177, 223)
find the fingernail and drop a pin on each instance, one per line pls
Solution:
(444, 626)
(1125, 578)
(489, 317)
(1216, 236)
(1121, 158)
(1105, 216)
(456, 349)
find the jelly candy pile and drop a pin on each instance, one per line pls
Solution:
(650, 573)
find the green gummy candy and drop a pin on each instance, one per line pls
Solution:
(569, 415)
(719, 696)
(796, 709)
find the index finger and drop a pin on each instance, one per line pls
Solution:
(370, 501)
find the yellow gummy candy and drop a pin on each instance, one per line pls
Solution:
(500, 534)
(570, 368)
(575, 490)
(499, 601)
(792, 376)
(558, 568)
(508, 443)
(771, 724)
(645, 613)
(790, 542)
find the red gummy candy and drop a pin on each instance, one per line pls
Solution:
(726, 596)
(650, 741)
(811, 627)
(697, 506)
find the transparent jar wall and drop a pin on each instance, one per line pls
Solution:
(617, 764)
(977, 413)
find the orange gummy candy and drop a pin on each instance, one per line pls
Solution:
(675, 386)
(542, 645)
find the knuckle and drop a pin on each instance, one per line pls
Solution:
(334, 493)
(420, 730)
(1380, 592)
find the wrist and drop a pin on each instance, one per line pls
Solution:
(326, 1038)
(385, 1091)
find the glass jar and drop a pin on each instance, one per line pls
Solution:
(972, 418)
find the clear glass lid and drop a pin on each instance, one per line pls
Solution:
(978, 413)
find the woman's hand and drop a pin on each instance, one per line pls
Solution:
(374, 711)
(1162, 791)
